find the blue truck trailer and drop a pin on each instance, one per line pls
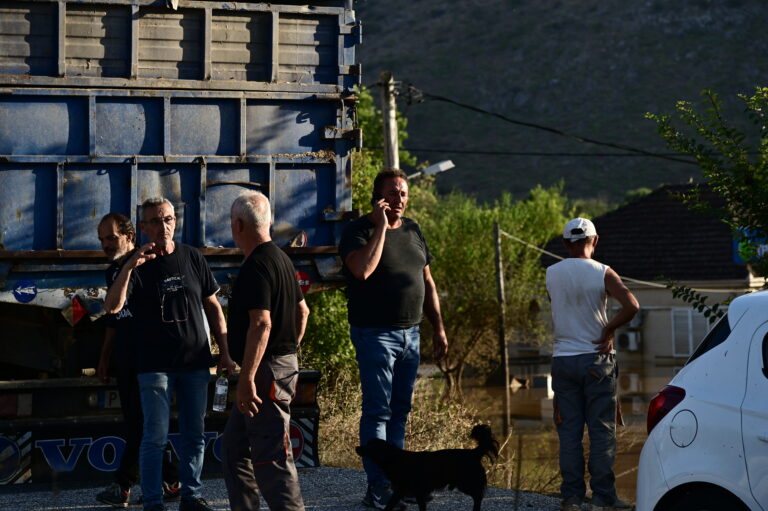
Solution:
(104, 103)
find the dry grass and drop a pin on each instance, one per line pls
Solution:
(528, 460)
(433, 423)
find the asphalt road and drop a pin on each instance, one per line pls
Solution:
(323, 488)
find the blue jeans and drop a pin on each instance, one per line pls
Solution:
(585, 393)
(191, 401)
(388, 359)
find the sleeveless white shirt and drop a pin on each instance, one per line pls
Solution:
(579, 302)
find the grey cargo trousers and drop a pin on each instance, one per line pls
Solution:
(256, 451)
(585, 394)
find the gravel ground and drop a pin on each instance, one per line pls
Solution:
(324, 488)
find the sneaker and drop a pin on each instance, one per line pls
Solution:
(194, 504)
(171, 493)
(377, 497)
(571, 504)
(598, 504)
(114, 495)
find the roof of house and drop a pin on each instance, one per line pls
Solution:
(658, 236)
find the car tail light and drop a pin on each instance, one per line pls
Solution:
(667, 398)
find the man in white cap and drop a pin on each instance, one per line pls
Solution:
(584, 370)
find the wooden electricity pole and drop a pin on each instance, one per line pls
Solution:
(389, 115)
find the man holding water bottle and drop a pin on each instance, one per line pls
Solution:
(266, 321)
(171, 287)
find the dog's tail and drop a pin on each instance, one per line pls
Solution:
(486, 443)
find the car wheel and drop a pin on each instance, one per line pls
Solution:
(703, 499)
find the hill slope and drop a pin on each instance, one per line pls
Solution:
(591, 68)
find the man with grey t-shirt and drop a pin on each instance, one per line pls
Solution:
(584, 367)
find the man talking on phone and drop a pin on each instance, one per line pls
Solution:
(389, 289)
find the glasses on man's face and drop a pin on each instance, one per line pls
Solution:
(154, 222)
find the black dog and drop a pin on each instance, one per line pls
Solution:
(417, 474)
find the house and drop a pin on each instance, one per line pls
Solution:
(655, 240)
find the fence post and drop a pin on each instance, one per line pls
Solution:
(503, 350)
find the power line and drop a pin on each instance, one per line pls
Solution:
(414, 95)
(628, 279)
(555, 131)
(528, 153)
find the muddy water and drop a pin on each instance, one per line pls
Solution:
(533, 442)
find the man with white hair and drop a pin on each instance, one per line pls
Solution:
(266, 321)
(584, 369)
(171, 286)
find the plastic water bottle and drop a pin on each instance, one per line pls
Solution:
(220, 394)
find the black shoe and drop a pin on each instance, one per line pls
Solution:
(114, 495)
(155, 507)
(573, 503)
(194, 504)
(598, 504)
(377, 497)
(171, 493)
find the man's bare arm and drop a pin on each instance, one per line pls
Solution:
(256, 339)
(102, 370)
(432, 311)
(363, 261)
(302, 314)
(117, 293)
(629, 307)
(215, 316)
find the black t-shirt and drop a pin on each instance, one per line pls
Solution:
(124, 353)
(267, 281)
(167, 304)
(393, 295)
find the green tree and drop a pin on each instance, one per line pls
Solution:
(734, 163)
(327, 346)
(459, 232)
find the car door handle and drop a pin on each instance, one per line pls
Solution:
(763, 437)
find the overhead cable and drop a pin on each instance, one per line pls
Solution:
(525, 153)
(628, 279)
(415, 95)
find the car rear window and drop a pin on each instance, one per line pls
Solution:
(715, 337)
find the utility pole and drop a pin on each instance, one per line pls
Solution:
(389, 115)
(503, 351)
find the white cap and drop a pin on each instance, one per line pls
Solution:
(578, 229)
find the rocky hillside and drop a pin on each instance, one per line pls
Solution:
(590, 68)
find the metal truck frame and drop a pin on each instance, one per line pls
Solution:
(104, 103)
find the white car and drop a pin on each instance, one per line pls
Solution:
(707, 446)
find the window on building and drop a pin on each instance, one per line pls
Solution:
(689, 327)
